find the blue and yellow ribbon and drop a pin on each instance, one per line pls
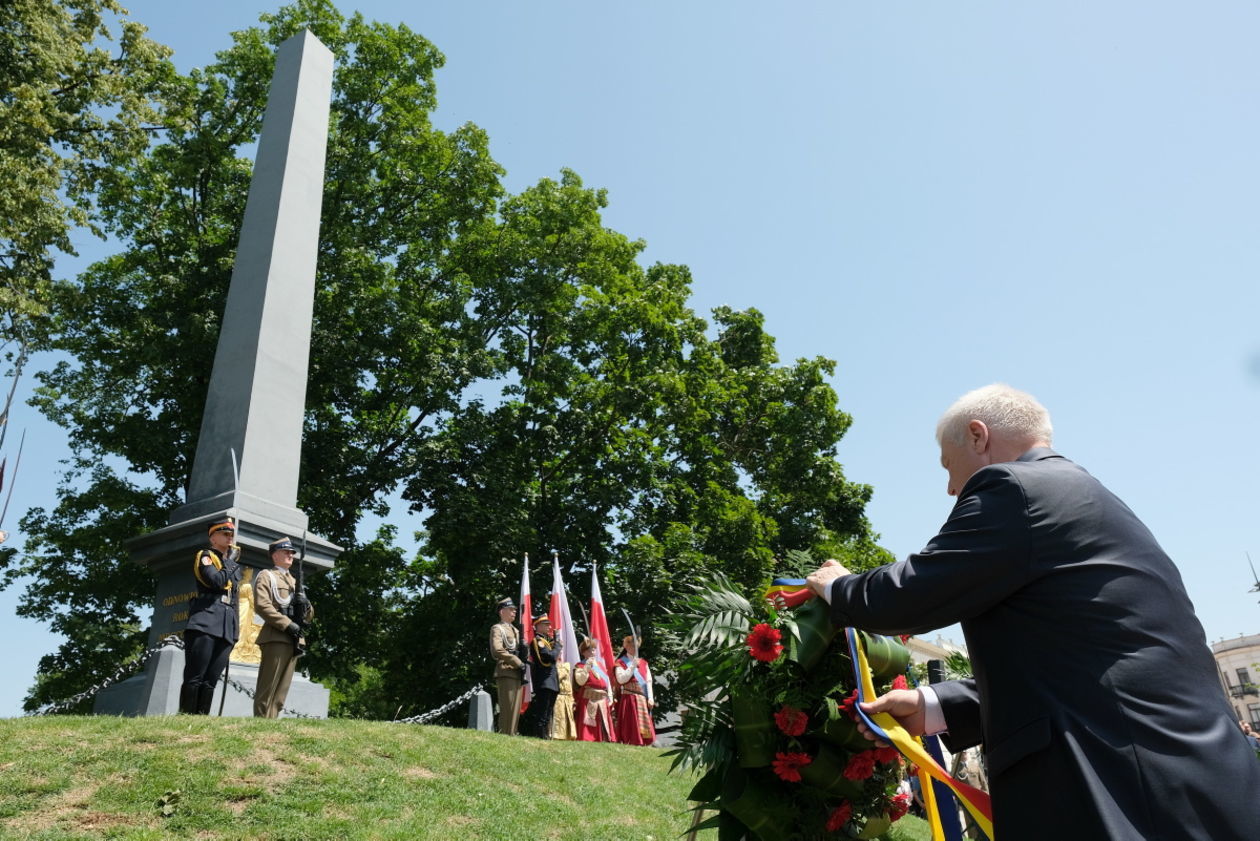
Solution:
(793, 592)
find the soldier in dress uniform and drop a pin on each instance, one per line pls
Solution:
(542, 675)
(213, 623)
(509, 668)
(284, 613)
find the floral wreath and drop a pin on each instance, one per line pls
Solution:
(770, 724)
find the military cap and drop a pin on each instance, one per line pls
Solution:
(505, 603)
(222, 525)
(542, 617)
(284, 544)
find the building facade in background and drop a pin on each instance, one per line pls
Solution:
(1239, 663)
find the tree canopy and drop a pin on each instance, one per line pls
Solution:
(73, 104)
(502, 364)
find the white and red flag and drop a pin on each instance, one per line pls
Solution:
(599, 622)
(526, 615)
(558, 613)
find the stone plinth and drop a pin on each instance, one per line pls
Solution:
(155, 691)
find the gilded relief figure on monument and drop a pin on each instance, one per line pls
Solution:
(246, 649)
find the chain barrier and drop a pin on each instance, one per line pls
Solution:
(250, 693)
(125, 669)
(175, 641)
(447, 707)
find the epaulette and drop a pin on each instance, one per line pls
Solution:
(207, 557)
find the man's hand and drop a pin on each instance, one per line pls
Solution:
(820, 579)
(905, 705)
(294, 630)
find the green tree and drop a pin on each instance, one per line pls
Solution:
(621, 435)
(504, 363)
(393, 344)
(72, 106)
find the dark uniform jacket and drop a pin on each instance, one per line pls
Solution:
(214, 609)
(542, 666)
(1095, 694)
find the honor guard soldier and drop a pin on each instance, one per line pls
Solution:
(509, 666)
(542, 675)
(213, 623)
(285, 613)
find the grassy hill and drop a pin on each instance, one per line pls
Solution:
(302, 780)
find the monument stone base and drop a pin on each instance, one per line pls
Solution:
(155, 691)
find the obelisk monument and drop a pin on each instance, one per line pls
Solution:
(256, 401)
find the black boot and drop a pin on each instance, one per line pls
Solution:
(205, 700)
(188, 698)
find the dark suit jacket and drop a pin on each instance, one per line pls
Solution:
(1095, 695)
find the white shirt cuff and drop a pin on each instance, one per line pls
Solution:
(933, 715)
(827, 590)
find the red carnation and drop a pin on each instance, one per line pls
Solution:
(791, 720)
(898, 807)
(904, 637)
(847, 705)
(861, 766)
(899, 682)
(763, 643)
(788, 765)
(886, 755)
(840, 816)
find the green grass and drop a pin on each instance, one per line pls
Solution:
(300, 780)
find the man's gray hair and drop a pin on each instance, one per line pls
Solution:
(1003, 409)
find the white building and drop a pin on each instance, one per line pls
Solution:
(921, 650)
(1239, 663)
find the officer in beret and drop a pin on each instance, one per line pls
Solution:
(542, 675)
(285, 613)
(213, 623)
(509, 667)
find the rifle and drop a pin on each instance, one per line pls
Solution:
(300, 604)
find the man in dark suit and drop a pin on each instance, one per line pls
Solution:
(1095, 695)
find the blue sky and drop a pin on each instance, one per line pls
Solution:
(1061, 196)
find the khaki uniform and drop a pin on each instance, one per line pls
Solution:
(509, 672)
(273, 588)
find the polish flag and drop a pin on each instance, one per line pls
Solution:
(526, 615)
(599, 623)
(558, 613)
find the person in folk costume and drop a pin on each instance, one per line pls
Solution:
(635, 698)
(563, 726)
(509, 666)
(284, 613)
(214, 625)
(543, 676)
(594, 694)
